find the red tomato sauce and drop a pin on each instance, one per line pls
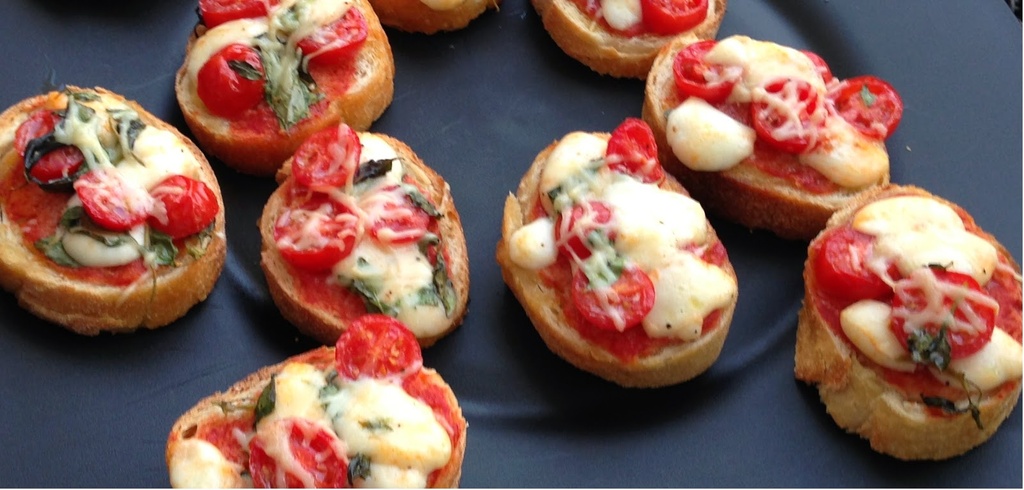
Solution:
(221, 433)
(321, 291)
(1003, 287)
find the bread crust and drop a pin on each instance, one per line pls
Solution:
(153, 301)
(365, 100)
(245, 392)
(321, 324)
(742, 194)
(611, 54)
(862, 401)
(416, 16)
(670, 365)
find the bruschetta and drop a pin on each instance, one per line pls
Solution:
(363, 413)
(430, 16)
(616, 266)
(911, 325)
(260, 76)
(764, 135)
(621, 38)
(110, 219)
(360, 224)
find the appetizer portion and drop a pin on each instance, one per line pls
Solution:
(622, 37)
(911, 325)
(365, 413)
(765, 135)
(616, 266)
(110, 219)
(360, 224)
(430, 16)
(260, 76)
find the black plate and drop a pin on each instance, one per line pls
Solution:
(478, 105)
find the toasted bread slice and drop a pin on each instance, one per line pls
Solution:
(325, 323)
(432, 16)
(547, 304)
(743, 193)
(255, 146)
(90, 300)
(610, 53)
(209, 444)
(862, 396)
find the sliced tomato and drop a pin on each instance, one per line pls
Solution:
(182, 206)
(231, 81)
(377, 346)
(870, 104)
(820, 65)
(316, 233)
(633, 151)
(840, 267)
(38, 124)
(619, 306)
(289, 445)
(56, 165)
(112, 202)
(584, 218)
(667, 17)
(337, 41)
(696, 78)
(328, 158)
(217, 12)
(779, 128)
(398, 221)
(963, 342)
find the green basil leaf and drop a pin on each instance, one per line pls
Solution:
(267, 400)
(162, 246)
(358, 468)
(420, 200)
(245, 70)
(373, 169)
(866, 96)
(376, 425)
(53, 249)
(370, 300)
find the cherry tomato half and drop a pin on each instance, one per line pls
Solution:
(217, 12)
(316, 449)
(619, 306)
(55, 165)
(377, 346)
(336, 41)
(779, 129)
(111, 202)
(840, 267)
(328, 158)
(870, 104)
(633, 151)
(697, 78)
(316, 234)
(820, 65)
(231, 81)
(667, 17)
(182, 206)
(399, 222)
(962, 343)
(584, 218)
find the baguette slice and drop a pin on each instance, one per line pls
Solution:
(208, 445)
(544, 303)
(742, 193)
(63, 296)
(857, 391)
(324, 324)
(262, 151)
(610, 53)
(419, 16)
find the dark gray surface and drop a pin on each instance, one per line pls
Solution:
(477, 105)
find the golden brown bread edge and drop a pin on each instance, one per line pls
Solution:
(861, 401)
(742, 194)
(245, 392)
(366, 99)
(416, 16)
(670, 365)
(90, 309)
(609, 54)
(322, 325)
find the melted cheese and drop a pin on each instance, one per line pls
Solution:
(157, 154)
(297, 394)
(533, 245)
(569, 159)
(846, 156)
(90, 252)
(996, 363)
(379, 419)
(905, 213)
(195, 463)
(621, 14)
(706, 139)
(442, 4)
(687, 289)
(373, 147)
(866, 324)
(762, 62)
(653, 224)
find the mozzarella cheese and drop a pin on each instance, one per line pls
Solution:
(157, 154)
(687, 289)
(621, 14)
(91, 252)
(866, 324)
(567, 164)
(762, 62)
(706, 139)
(996, 363)
(847, 157)
(195, 463)
(533, 245)
(442, 4)
(297, 394)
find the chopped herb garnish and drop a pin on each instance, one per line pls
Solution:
(245, 70)
(267, 400)
(376, 425)
(358, 468)
(866, 96)
(373, 169)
